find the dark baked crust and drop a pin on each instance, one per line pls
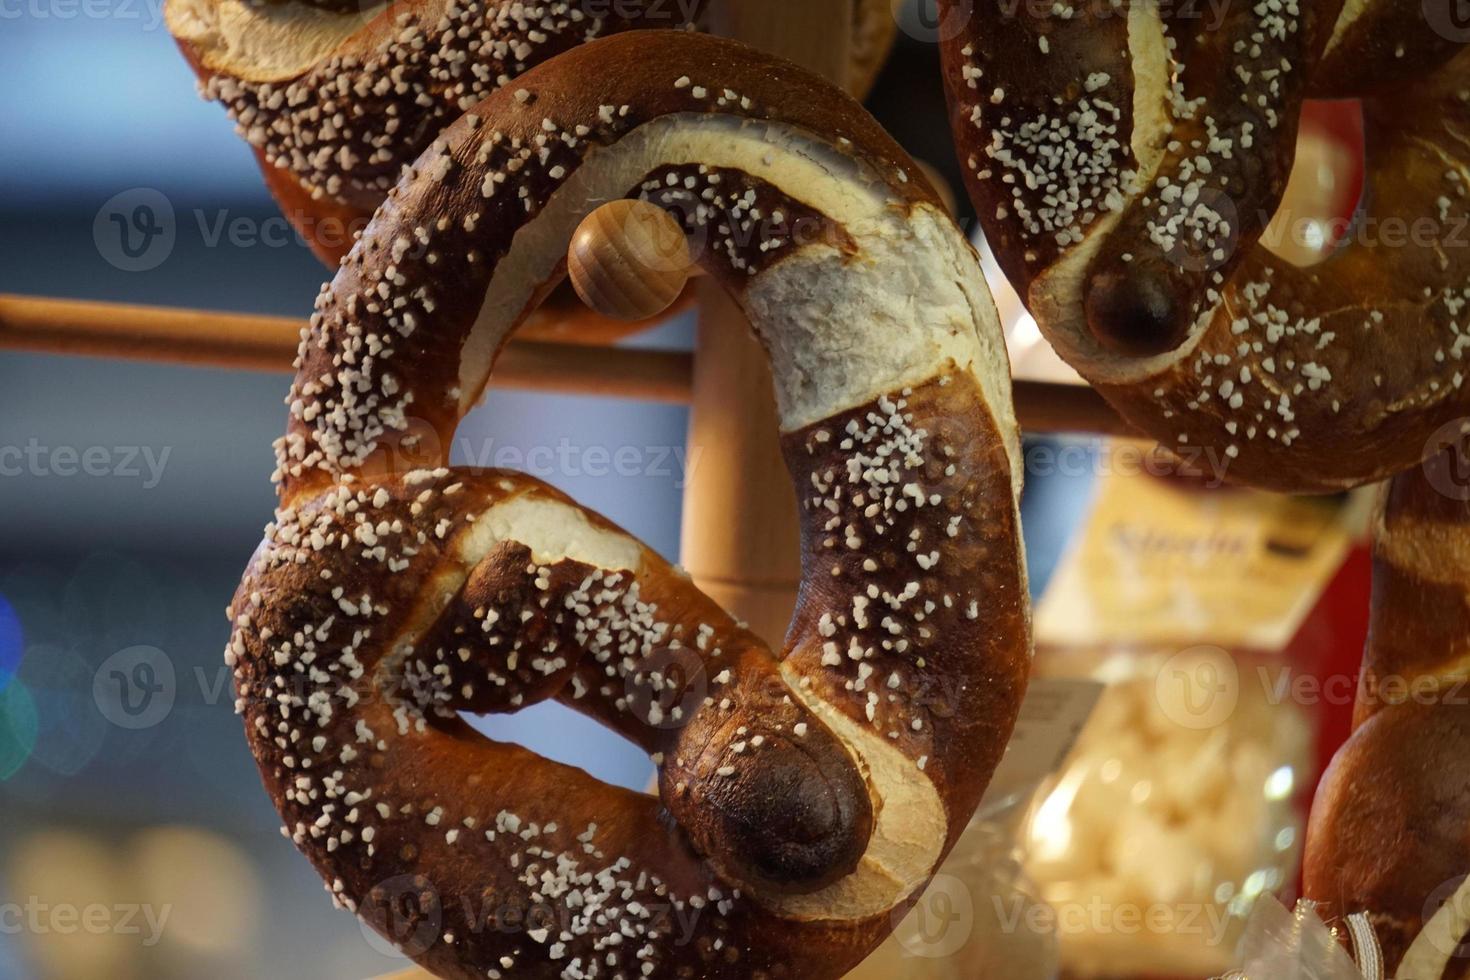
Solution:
(1152, 280)
(804, 797)
(1390, 828)
(332, 140)
(447, 263)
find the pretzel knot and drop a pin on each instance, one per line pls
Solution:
(1125, 158)
(806, 796)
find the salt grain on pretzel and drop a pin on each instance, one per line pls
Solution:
(1125, 158)
(804, 797)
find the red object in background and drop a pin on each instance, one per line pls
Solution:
(1328, 649)
(1340, 122)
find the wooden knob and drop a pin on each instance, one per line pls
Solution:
(629, 260)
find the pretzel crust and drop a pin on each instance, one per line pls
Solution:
(1124, 165)
(335, 102)
(806, 797)
(1390, 835)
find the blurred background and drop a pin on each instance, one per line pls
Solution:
(135, 840)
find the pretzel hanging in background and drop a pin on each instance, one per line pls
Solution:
(1390, 829)
(337, 97)
(1124, 162)
(806, 797)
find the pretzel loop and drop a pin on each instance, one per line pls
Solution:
(805, 798)
(1125, 160)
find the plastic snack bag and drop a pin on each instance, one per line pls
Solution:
(1183, 801)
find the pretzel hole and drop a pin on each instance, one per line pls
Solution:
(1325, 190)
(556, 732)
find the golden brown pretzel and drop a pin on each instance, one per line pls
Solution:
(1390, 830)
(337, 96)
(806, 797)
(1124, 163)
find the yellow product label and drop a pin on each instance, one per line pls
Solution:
(1163, 562)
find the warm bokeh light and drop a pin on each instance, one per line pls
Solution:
(70, 897)
(211, 885)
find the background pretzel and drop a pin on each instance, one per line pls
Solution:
(1124, 163)
(1390, 831)
(337, 96)
(805, 798)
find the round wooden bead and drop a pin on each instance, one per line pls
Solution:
(629, 260)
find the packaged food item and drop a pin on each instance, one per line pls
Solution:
(1183, 799)
(1129, 838)
(1179, 805)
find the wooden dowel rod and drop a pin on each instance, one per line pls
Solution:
(1053, 406)
(268, 343)
(234, 340)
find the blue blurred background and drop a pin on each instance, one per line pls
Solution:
(142, 845)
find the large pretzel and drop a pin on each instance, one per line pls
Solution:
(337, 96)
(1390, 831)
(1124, 163)
(806, 797)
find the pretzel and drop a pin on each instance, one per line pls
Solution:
(1124, 163)
(1390, 831)
(337, 97)
(804, 798)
